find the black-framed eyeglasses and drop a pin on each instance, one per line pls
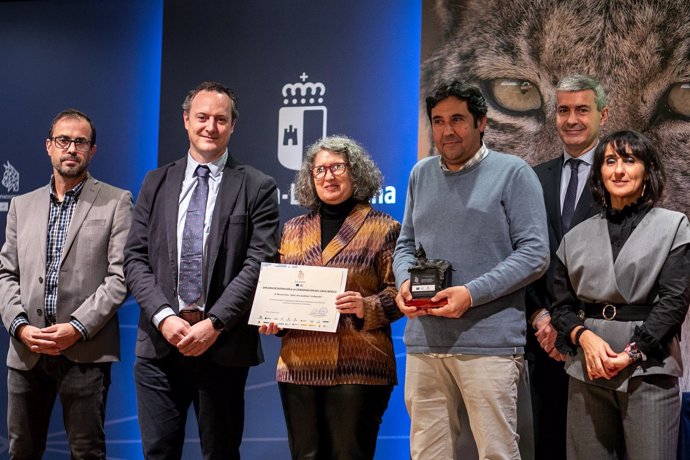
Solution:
(337, 169)
(63, 142)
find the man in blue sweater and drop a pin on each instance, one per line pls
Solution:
(484, 212)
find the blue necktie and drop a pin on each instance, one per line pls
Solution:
(570, 196)
(191, 285)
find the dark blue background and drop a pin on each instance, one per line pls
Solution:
(127, 63)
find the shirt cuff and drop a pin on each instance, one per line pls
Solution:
(20, 320)
(80, 327)
(162, 313)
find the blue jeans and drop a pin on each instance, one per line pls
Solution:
(83, 390)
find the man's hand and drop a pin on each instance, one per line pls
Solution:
(174, 329)
(198, 339)
(459, 301)
(28, 335)
(64, 335)
(546, 336)
(404, 295)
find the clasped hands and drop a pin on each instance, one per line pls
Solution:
(601, 360)
(51, 340)
(190, 340)
(546, 336)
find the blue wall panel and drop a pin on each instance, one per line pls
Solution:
(101, 57)
(104, 57)
(366, 55)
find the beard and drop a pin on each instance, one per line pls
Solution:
(70, 172)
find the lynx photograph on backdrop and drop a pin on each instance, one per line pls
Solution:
(517, 51)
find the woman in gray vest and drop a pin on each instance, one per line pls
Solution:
(622, 293)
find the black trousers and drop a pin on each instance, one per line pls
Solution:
(333, 422)
(82, 389)
(166, 388)
(549, 384)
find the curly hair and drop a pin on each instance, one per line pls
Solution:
(365, 175)
(473, 97)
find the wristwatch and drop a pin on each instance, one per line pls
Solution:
(217, 323)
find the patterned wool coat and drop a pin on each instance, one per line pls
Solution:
(361, 350)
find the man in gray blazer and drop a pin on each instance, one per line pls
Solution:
(201, 228)
(61, 283)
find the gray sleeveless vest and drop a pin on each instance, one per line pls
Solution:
(586, 252)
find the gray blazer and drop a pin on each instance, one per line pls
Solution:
(91, 284)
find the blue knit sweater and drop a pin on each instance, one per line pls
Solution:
(489, 221)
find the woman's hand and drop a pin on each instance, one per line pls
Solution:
(350, 302)
(598, 356)
(270, 329)
(620, 362)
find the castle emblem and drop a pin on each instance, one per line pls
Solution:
(10, 179)
(301, 121)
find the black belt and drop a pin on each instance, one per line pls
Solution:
(615, 312)
(192, 316)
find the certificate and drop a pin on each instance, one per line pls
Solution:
(298, 297)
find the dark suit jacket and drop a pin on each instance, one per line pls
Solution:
(91, 286)
(540, 293)
(244, 233)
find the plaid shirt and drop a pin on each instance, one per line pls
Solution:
(58, 225)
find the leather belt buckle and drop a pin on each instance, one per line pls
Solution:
(192, 316)
(608, 312)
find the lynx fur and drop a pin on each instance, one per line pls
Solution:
(516, 51)
(639, 50)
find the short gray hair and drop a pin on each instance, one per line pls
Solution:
(573, 83)
(365, 175)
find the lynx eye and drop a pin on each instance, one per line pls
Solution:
(678, 99)
(516, 95)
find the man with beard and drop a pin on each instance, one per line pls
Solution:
(61, 283)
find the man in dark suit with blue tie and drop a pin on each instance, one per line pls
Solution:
(580, 112)
(202, 226)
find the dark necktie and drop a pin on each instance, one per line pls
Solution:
(191, 285)
(570, 196)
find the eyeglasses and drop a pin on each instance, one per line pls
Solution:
(337, 169)
(63, 142)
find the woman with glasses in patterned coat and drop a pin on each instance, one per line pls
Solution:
(335, 387)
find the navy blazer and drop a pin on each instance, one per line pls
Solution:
(244, 232)
(540, 293)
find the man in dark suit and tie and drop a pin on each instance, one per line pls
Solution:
(61, 284)
(202, 226)
(580, 112)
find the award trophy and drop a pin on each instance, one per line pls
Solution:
(427, 277)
